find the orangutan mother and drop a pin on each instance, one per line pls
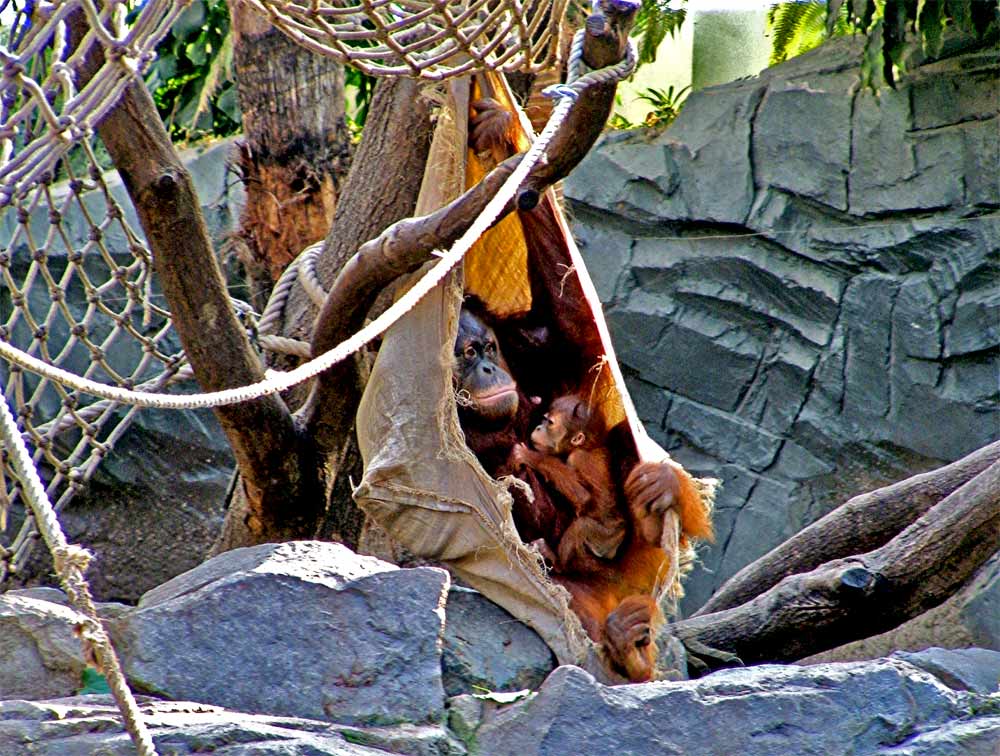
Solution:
(616, 605)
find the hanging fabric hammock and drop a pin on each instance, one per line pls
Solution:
(422, 484)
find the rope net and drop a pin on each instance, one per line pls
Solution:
(432, 40)
(81, 299)
(76, 284)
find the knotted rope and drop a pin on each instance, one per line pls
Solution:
(70, 564)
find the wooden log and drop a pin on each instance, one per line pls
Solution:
(862, 524)
(273, 456)
(858, 596)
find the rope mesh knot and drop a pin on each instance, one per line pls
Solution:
(425, 39)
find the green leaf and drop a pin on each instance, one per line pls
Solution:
(228, 104)
(196, 54)
(984, 15)
(863, 12)
(796, 28)
(93, 682)
(930, 22)
(191, 20)
(872, 62)
(654, 21)
(832, 14)
(166, 66)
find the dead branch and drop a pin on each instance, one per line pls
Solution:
(862, 524)
(273, 457)
(858, 596)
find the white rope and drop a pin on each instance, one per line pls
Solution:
(70, 563)
(277, 381)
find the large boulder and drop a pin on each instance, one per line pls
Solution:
(486, 648)
(883, 707)
(303, 629)
(800, 279)
(87, 725)
(40, 656)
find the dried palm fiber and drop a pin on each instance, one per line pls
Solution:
(422, 484)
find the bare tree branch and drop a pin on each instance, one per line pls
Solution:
(859, 596)
(273, 457)
(862, 524)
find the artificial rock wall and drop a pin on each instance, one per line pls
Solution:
(803, 283)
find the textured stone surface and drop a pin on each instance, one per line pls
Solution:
(39, 655)
(828, 710)
(801, 283)
(88, 725)
(974, 669)
(299, 629)
(486, 648)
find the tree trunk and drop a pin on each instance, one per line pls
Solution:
(380, 189)
(296, 146)
(863, 523)
(275, 457)
(859, 596)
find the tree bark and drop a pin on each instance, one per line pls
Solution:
(398, 135)
(295, 149)
(858, 596)
(863, 523)
(275, 458)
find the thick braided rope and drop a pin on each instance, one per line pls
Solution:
(278, 382)
(70, 563)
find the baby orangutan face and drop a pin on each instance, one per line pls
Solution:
(563, 427)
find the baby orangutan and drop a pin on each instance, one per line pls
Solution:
(570, 454)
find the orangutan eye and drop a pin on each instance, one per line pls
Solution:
(470, 353)
(490, 348)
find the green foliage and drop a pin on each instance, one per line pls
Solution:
(362, 86)
(192, 78)
(666, 103)
(93, 682)
(653, 23)
(797, 27)
(896, 29)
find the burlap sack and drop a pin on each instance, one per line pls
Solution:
(422, 485)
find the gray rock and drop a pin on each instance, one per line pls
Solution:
(979, 737)
(88, 725)
(413, 740)
(299, 629)
(979, 612)
(974, 669)
(485, 648)
(40, 657)
(807, 313)
(465, 714)
(861, 708)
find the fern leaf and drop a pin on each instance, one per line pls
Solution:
(220, 70)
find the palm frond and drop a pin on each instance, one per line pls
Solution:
(219, 71)
(795, 28)
(654, 21)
